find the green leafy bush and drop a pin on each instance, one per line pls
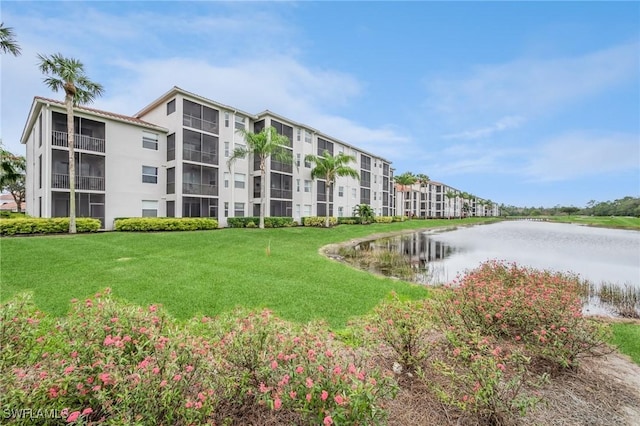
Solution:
(399, 218)
(5, 214)
(269, 222)
(138, 224)
(383, 219)
(319, 221)
(53, 225)
(352, 220)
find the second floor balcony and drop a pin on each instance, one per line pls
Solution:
(199, 189)
(83, 183)
(84, 142)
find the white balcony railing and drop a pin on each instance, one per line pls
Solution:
(87, 143)
(91, 183)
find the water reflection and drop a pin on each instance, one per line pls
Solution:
(596, 254)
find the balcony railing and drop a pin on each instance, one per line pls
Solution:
(91, 183)
(79, 141)
(198, 123)
(199, 156)
(281, 193)
(199, 189)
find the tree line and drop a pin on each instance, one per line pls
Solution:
(627, 206)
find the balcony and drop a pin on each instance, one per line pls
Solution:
(88, 183)
(84, 142)
(280, 193)
(199, 123)
(199, 189)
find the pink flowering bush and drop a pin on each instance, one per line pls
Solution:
(117, 363)
(539, 309)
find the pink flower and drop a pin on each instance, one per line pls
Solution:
(328, 421)
(274, 364)
(352, 369)
(324, 395)
(189, 368)
(114, 319)
(299, 369)
(156, 370)
(69, 370)
(308, 397)
(189, 404)
(263, 388)
(153, 308)
(339, 399)
(177, 378)
(87, 411)
(163, 383)
(309, 382)
(501, 367)
(337, 370)
(277, 403)
(292, 395)
(73, 416)
(328, 353)
(95, 388)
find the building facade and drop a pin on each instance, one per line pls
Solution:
(171, 159)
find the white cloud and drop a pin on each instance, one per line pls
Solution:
(581, 154)
(505, 123)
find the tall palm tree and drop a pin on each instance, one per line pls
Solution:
(265, 144)
(68, 74)
(405, 179)
(329, 167)
(8, 43)
(449, 194)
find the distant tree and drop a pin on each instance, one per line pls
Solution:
(329, 167)
(68, 74)
(450, 195)
(569, 210)
(8, 42)
(405, 179)
(12, 178)
(263, 145)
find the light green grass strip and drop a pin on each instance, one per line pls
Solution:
(626, 337)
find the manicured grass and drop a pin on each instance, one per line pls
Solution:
(626, 337)
(604, 221)
(206, 272)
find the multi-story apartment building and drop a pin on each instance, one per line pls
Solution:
(171, 159)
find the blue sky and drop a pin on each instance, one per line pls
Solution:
(527, 104)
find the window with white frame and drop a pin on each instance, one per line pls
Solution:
(307, 186)
(340, 211)
(307, 210)
(227, 149)
(240, 122)
(150, 140)
(298, 158)
(149, 174)
(171, 106)
(298, 135)
(239, 180)
(340, 191)
(238, 209)
(307, 136)
(239, 145)
(297, 210)
(354, 192)
(297, 185)
(226, 119)
(149, 208)
(226, 179)
(226, 209)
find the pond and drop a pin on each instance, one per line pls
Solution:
(599, 255)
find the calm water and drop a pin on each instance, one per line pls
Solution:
(596, 254)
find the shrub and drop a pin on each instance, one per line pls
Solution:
(137, 224)
(269, 222)
(399, 218)
(319, 221)
(46, 225)
(5, 214)
(540, 309)
(383, 219)
(353, 220)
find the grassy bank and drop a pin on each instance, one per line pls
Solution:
(602, 221)
(206, 272)
(626, 336)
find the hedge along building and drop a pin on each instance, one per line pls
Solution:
(170, 159)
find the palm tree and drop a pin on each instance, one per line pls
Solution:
(364, 212)
(265, 144)
(449, 194)
(329, 167)
(8, 43)
(68, 74)
(405, 179)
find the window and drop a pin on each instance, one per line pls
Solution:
(226, 149)
(307, 186)
(149, 174)
(171, 106)
(354, 193)
(307, 210)
(226, 209)
(375, 196)
(40, 130)
(298, 157)
(238, 209)
(365, 162)
(226, 179)
(149, 208)
(307, 136)
(240, 122)
(226, 120)
(171, 147)
(298, 135)
(240, 146)
(239, 180)
(340, 211)
(307, 164)
(171, 208)
(340, 191)
(297, 185)
(150, 140)
(375, 178)
(40, 206)
(171, 180)
(40, 171)
(324, 145)
(297, 210)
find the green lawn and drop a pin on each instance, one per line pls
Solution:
(626, 337)
(206, 272)
(604, 221)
